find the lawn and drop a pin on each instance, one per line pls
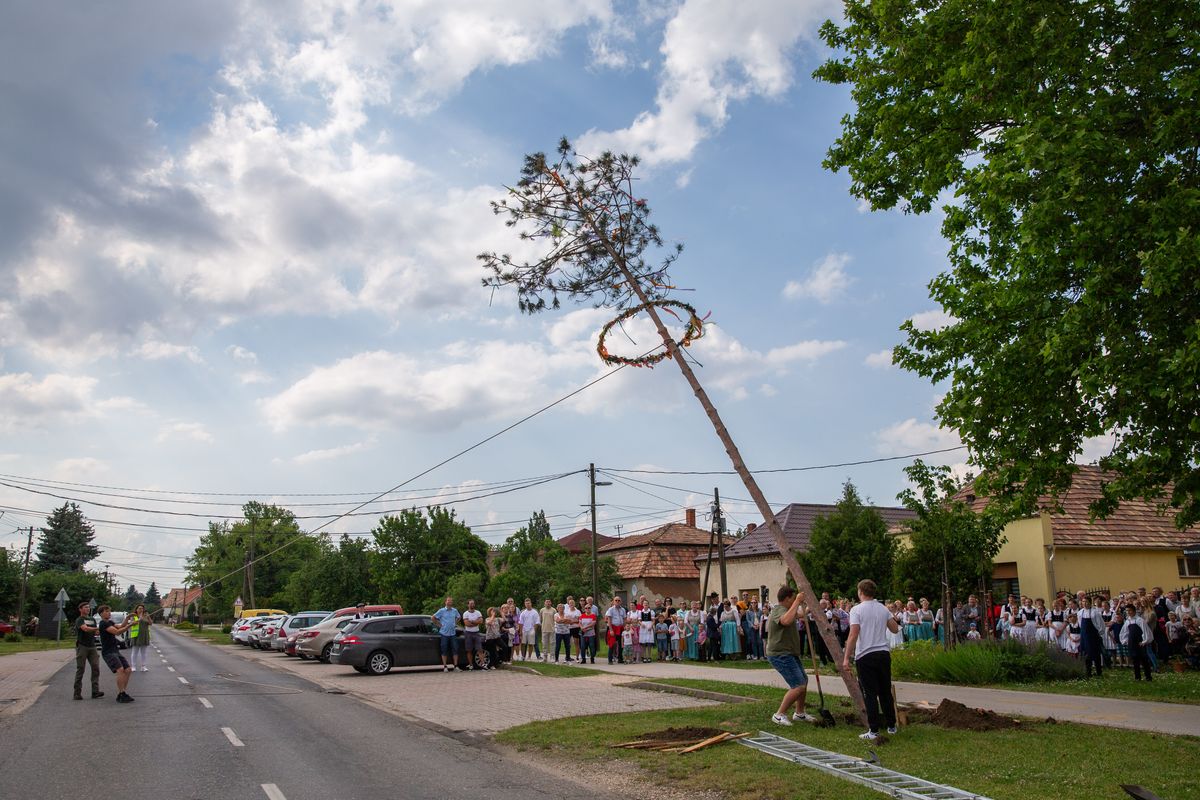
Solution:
(1037, 760)
(1168, 687)
(31, 644)
(210, 634)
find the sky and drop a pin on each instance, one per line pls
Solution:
(238, 261)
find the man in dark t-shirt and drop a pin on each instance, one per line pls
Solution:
(111, 652)
(85, 652)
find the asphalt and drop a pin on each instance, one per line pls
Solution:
(297, 741)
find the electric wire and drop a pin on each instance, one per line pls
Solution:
(787, 469)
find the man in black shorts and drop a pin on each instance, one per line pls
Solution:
(111, 653)
(85, 652)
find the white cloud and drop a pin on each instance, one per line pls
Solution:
(911, 436)
(715, 53)
(808, 350)
(313, 456)
(76, 469)
(28, 402)
(157, 351)
(826, 281)
(184, 431)
(241, 354)
(1096, 447)
(879, 360)
(932, 320)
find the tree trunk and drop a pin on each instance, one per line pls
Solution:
(760, 500)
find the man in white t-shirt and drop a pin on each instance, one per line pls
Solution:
(528, 621)
(472, 639)
(869, 626)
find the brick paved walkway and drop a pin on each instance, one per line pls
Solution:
(23, 677)
(1174, 718)
(478, 702)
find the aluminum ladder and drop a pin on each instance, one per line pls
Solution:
(873, 776)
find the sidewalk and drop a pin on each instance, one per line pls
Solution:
(23, 677)
(1144, 715)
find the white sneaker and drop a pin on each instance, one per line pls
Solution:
(780, 719)
(869, 736)
(803, 718)
(445, 668)
(145, 669)
(891, 731)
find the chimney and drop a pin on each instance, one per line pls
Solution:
(690, 517)
(750, 527)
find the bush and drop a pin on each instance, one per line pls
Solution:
(185, 626)
(226, 629)
(13, 637)
(980, 663)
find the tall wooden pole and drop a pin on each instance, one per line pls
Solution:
(24, 582)
(595, 572)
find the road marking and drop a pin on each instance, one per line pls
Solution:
(273, 792)
(232, 737)
(204, 702)
(183, 679)
(170, 669)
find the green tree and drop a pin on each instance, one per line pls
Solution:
(132, 597)
(462, 587)
(847, 545)
(10, 580)
(417, 552)
(66, 541)
(153, 598)
(531, 564)
(336, 576)
(80, 585)
(947, 538)
(219, 560)
(1060, 139)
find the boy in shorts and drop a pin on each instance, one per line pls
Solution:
(111, 652)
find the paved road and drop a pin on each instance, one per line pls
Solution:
(236, 729)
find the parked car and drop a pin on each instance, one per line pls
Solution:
(374, 646)
(315, 642)
(6, 628)
(258, 629)
(116, 618)
(371, 611)
(240, 631)
(292, 623)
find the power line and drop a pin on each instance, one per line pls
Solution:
(787, 469)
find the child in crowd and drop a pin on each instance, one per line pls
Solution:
(676, 641)
(645, 639)
(627, 642)
(973, 633)
(662, 638)
(1074, 635)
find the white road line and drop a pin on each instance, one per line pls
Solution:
(232, 737)
(273, 792)
(204, 702)
(170, 669)
(182, 679)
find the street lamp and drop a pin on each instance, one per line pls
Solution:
(595, 571)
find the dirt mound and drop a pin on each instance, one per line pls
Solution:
(957, 716)
(680, 734)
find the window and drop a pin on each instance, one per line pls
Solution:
(411, 626)
(383, 626)
(1189, 567)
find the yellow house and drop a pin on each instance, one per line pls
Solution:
(1135, 547)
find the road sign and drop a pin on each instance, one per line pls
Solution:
(59, 616)
(62, 596)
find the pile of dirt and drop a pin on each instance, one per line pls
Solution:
(680, 734)
(959, 717)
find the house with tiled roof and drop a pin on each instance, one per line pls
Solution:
(1064, 550)
(662, 562)
(753, 561)
(178, 603)
(580, 542)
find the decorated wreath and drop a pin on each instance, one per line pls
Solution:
(693, 331)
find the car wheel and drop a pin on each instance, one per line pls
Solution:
(483, 659)
(379, 663)
(325, 653)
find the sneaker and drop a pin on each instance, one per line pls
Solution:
(869, 736)
(145, 669)
(97, 694)
(803, 718)
(470, 666)
(891, 731)
(78, 697)
(780, 719)
(445, 668)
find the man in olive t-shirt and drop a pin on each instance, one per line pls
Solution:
(784, 653)
(85, 652)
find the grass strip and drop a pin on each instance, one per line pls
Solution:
(32, 645)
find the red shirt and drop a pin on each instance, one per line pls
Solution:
(587, 623)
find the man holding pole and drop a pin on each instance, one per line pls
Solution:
(784, 653)
(869, 625)
(85, 653)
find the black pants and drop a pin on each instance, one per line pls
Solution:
(1140, 661)
(875, 679)
(492, 646)
(562, 640)
(1093, 654)
(714, 648)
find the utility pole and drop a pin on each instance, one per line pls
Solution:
(719, 526)
(595, 566)
(24, 582)
(250, 566)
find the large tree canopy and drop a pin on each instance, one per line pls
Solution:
(416, 554)
(847, 545)
(1062, 139)
(66, 542)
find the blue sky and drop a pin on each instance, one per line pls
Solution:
(237, 256)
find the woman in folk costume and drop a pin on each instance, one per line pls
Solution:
(1016, 622)
(1074, 635)
(1091, 642)
(1042, 634)
(896, 640)
(925, 620)
(1107, 642)
(1030, 615)
(912, 622)
(1058, 623)
(691, 629)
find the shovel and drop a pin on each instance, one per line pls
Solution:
(825, 716)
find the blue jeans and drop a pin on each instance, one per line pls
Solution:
(754, 643)
(791, 669)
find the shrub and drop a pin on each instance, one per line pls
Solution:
(226, 629)
(185, 626)
(13, 637)
(979, 663)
